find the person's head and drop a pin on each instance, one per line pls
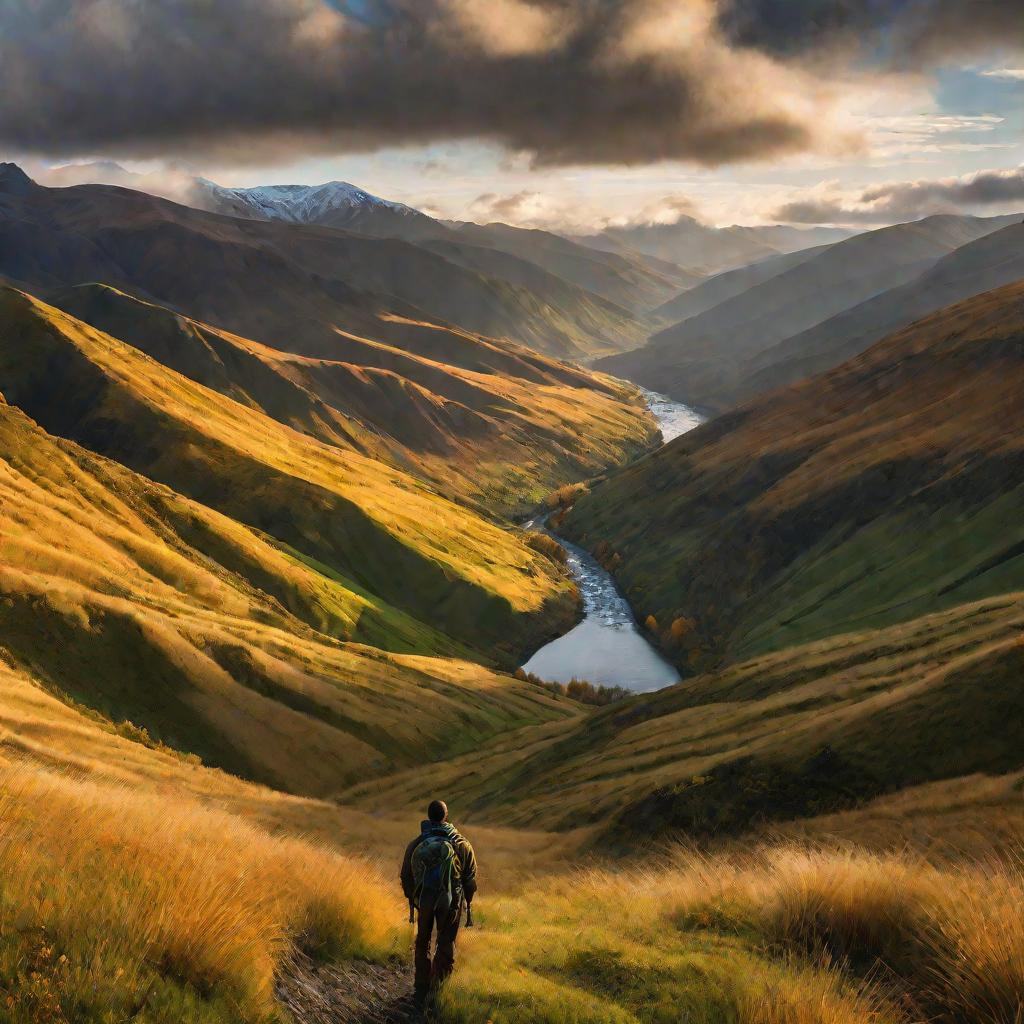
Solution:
(437, 811)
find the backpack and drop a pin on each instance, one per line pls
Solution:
(436, 870)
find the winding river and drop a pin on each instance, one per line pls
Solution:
(607, 647)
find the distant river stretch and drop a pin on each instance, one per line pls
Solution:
(607, 647)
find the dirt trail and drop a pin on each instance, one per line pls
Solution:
(352, 993)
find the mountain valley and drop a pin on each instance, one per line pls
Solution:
(282, 482)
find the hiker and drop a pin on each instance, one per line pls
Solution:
(438, 874)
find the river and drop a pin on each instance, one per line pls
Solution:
(607, 647)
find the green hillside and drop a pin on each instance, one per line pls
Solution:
(883, 490)
(366, 522)
(806, 731)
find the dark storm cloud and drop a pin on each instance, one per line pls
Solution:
(565, 80)
(902, 201)
(894, 33)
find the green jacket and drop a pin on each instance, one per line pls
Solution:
(465, 858)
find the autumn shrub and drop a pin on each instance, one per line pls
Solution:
(566, 496)
(547, 546)
(579, 690)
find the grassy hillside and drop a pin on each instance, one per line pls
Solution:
(706, 359)
(129, 894)
(882, 490)
(990, 262)
(135, 601)
(381, 529)
(166, 898)
(483, 420)
(806, 731)
(776, 935)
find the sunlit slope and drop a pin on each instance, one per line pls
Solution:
(135, 898)
(888, 488)
(387, 533)
(482, 419)
(142, 900)
(805, 731)
(144, 605)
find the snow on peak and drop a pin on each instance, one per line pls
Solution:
(303, 204)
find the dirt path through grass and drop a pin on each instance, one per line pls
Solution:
(353, 993)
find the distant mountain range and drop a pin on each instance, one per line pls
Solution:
(708, 250)
(630, 279)
(792, 310)
(270, 279)
(636, 268)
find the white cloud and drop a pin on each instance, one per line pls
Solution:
(1010, 74)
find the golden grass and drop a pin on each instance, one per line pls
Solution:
(118, 904)
(783, 934)
(160, 611)
(158, 897)
(360, 516)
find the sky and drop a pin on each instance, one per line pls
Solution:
(567, 114)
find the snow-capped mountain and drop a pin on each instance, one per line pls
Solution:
(335, 204)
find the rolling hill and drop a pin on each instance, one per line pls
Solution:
(371, 527)
(887, 488)
(815, 729)
(705, 360)
(977, 267)
(485, 421)
(128, 598)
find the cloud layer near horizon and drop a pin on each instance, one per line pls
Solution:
(907, 200)
(566, 81)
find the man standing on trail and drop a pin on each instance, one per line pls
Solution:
(438, 875)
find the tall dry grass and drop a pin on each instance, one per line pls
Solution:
(783, 934)
(117, 905)
(947, 939)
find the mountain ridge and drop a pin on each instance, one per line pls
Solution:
(702, 359)
(259, 277)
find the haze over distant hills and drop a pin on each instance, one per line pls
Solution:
(993, 260)
(629, 279)
(699, 247)
(637, 268)
(710, 358)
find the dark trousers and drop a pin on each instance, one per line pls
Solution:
(429, 974)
